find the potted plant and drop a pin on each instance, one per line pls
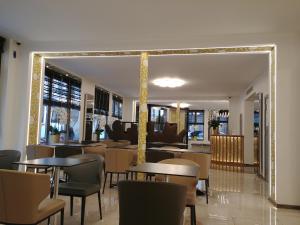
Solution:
(194, 135)
(98, 132)
(214, 123)
(54, 134)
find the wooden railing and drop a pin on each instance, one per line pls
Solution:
(227, 149)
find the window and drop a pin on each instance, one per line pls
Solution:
(61, 105)
(196, 125)
(223, 118)
(159, 117)
(117, 106)
(101, 106)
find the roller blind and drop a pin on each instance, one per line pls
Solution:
(60, 90)
(101, 101)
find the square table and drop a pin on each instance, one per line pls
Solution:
(56, 163)
(166, 169)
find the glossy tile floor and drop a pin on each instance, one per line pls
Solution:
(235, 199)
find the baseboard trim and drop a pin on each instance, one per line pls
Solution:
(283, 206)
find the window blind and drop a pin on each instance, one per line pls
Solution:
(60, 90)
(101, 101)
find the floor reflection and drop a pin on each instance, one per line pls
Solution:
(236, 198)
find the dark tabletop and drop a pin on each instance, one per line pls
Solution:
(166, 169)
(56, 162)
(180, 150)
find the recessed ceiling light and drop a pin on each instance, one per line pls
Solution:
(169, 82)
(182, 105)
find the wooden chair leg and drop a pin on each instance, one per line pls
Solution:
(48, 221)
(99, 202)
(117, 177)
(62, 215)
(71, 205)
(206, 190)
(194, 209)
(105, 177)
(126, 176)
(82, 210)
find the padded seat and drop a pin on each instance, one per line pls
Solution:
(49, 206)
(78, 189)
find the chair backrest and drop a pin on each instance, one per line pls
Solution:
(155, 156)
(151, 203)
(202, 159)
(7, 157)
(88, 172)
(38, 151)
(66, 151)
(189, 182)
(118, 160)
(20, 196)
(99, 149)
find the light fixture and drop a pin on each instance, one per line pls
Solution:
(169, 82)
(181, 105)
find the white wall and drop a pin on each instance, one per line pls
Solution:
(9, 96)
(287, 102)
(128, 110)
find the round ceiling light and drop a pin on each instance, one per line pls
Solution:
(168, 82)
(182, 105)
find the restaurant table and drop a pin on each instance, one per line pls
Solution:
(166, 169)
(63, 150)
(56, 163)
(162, 144)
(176, 150)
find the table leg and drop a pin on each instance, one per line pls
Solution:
(55, 191)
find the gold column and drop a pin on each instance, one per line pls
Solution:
(35, 100)
(143, 113)
(178, 117)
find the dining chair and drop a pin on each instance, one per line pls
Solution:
(8, 157)
(204, 161)
(189, 182)
(83, 180)
(23, 198)
(37, 152)
(151, 203)
(99, 150)
(117, 161)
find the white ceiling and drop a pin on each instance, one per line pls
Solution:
(99, 20)
(214, 76)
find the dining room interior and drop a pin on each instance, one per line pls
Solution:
(169, 125)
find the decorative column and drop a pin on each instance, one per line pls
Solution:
(143, 113)
(178, 117)
(36, 79)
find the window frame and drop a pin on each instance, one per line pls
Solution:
(72, 95)
(195, 122)
(117, 106)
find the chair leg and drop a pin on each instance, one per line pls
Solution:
(82, 210)
(193, 215)
(71, 205)
(126, 176)
(48, 221)
(99, 201)
(62, 215)
(206, 190)
(110, 182)
(105, 177)
(117, 177)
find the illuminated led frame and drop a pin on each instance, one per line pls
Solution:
(38, 58)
